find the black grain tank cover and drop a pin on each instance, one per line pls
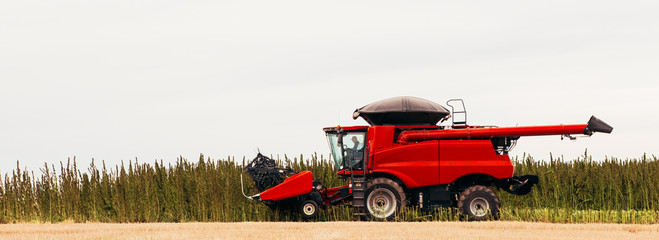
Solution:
(402, 111)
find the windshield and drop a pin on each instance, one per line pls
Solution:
(349, 152)
(335, 147)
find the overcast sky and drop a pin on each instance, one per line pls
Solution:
(119, 80)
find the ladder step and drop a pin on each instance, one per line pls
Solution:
(358, 195)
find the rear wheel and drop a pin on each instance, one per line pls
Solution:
(478, 203)
(383, 198)
(309, 209)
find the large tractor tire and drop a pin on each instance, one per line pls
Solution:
(384, 197)
(478, 203)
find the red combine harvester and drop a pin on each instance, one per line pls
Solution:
(405, 158)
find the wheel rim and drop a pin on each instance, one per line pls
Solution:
(381, 203)
(479, 207)
(309, 209)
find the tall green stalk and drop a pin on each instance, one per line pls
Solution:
(580, 190)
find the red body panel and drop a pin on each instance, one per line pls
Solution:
(417, 165)
(441, 162)
(298, 184)
(459, 158)
(379, 137)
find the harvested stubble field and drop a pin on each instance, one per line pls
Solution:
(329, 230)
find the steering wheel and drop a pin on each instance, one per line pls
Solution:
(347, 150)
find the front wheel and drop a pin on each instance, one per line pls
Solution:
(309, 209)
(478, 203)
(383, 198)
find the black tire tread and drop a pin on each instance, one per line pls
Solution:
(308, 217)
(388, 182)
(475, 189)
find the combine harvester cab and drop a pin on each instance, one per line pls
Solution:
(405, 158)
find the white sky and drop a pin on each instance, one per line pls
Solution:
(119, 80)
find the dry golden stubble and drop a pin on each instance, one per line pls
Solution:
(329, 230)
